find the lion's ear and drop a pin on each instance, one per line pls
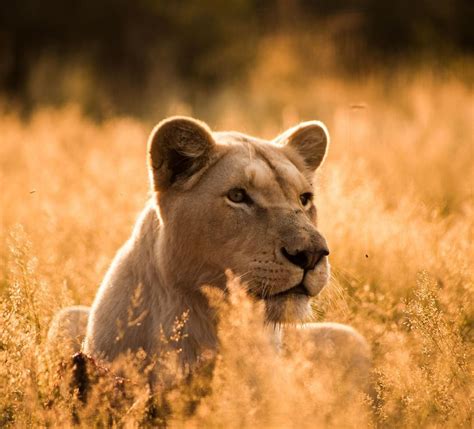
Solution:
(310, 140)
(178, 148)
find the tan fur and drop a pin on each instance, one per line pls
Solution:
(67, 330)
(190, 233)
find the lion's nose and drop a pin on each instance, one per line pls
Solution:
(306, 259)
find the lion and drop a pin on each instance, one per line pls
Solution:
(220, 201)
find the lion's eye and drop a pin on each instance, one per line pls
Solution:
(238, 195)
(306, 198)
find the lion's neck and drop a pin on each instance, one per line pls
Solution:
(175, 306)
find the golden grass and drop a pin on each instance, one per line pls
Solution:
(395, 202)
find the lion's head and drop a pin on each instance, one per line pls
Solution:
(231, 201)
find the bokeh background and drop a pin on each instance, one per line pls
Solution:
(83, 82)
(134, 57)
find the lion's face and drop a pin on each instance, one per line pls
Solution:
(229, 201)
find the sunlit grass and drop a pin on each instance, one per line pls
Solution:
(395, 202)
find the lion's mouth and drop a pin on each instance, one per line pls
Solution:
(298, 290)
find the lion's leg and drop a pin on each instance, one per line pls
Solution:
(340, 354)
(67, 330)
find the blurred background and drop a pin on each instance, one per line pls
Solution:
(138, 57)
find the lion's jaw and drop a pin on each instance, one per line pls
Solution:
(294, 304)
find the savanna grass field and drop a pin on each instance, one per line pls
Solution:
(395, 201)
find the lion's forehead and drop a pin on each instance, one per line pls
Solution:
(258, 174)
(263, 166)
(261, 173)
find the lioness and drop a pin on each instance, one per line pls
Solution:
(221, 200)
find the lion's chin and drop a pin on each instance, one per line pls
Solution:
(293, 308)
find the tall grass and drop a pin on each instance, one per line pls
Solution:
(395, 202)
